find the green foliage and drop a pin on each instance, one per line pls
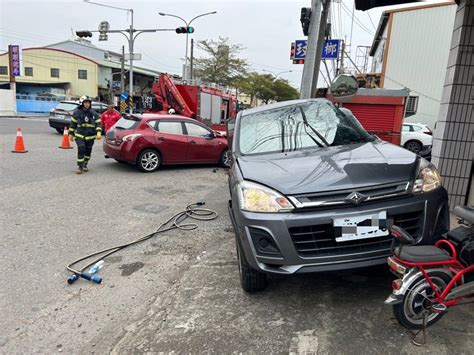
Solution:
(221, 64)
(264, 87)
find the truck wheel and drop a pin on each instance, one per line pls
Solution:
(224, 160)
(413, 146)
(250, 279)
(416, 302)
(149, 161)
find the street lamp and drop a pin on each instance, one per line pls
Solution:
(187, 23)
(277, 75)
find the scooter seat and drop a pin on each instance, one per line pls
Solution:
(421, 253)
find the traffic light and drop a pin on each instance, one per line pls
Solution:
(305, 19)
(181, 30)
(83, 34)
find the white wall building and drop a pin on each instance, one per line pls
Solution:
(411, 49)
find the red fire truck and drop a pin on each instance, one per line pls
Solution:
(208, 104)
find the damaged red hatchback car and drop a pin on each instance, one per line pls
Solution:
(151, 140)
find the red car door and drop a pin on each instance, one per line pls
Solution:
(170, 140)
(203, 146)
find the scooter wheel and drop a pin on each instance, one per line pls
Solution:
(416, 303)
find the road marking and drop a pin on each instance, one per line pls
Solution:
(39, 118)
(304, 342)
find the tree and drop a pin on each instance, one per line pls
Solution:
(266, 88)
(284, 91)
(222, 64)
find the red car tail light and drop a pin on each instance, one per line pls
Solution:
(131, 137)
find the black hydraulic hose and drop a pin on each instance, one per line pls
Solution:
(193, 211)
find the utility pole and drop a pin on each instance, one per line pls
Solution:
(122, 71)
(131, 34)
(191, 65)
(343, 46)
(130, 46)
(316, 32)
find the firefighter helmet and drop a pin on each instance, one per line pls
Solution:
(84, 98)
(171, 111)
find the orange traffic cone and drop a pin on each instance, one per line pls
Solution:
(65, 143)
(19, 144)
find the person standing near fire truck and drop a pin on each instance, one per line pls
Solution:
(109, 118)
(85, 128)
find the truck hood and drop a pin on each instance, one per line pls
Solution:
(332, 168)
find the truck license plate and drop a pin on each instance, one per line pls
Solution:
(361, 227)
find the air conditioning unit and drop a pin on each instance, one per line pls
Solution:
(411, 106)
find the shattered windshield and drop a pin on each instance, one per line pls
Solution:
(304, 126)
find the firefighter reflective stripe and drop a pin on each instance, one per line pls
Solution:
(80, 160)
(73, 120)
(87, 138)
(97, 121)
(86, 125)
(98, 129)
(71, 130)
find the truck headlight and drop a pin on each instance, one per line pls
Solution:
(428, 178)
(257, 198)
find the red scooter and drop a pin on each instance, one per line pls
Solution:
(430, 279)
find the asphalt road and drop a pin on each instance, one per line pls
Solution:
(178, 292)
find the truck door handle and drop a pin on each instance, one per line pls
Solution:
(193, 142)
(161, 139)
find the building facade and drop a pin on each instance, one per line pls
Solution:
(411, 49)
(68, 70)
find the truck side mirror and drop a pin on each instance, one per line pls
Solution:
(344, 87)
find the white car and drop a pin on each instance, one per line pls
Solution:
(417, 137)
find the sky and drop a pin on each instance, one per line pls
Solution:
(264, 28)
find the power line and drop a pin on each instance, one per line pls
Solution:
(372, 22)
(419, 93)
(356, 20)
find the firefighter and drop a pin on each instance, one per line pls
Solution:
(85, 128)
(171, 111)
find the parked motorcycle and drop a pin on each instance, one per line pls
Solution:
(430, 279)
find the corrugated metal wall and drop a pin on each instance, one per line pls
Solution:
(418, 56)
(378, 119)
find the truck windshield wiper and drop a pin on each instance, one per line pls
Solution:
(305, 120)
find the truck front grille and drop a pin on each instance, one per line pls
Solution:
(319, 240)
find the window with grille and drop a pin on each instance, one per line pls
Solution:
(28, 71)
(412, 105)
(54, 72)
(3, 70)
(82, 74)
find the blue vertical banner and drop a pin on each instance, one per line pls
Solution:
(300, 49)
(15, 60)
(331, 49)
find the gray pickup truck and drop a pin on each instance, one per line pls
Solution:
(312, 191)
